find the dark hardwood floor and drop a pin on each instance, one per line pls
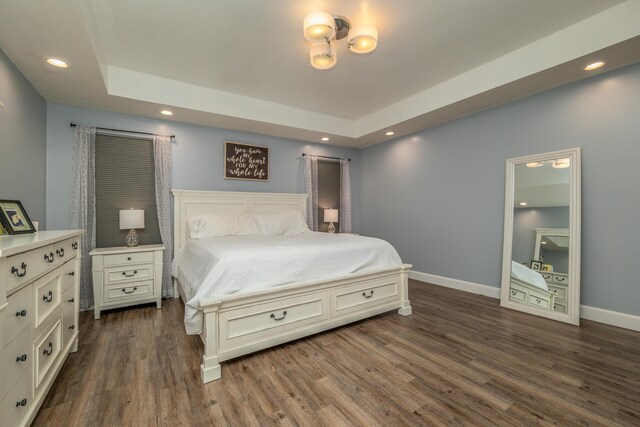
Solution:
(458, 360)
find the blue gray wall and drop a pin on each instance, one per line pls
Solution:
(197, 157)
(525, 221)
(438, 195)
(23, 121)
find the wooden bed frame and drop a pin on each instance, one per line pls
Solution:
(239, 324)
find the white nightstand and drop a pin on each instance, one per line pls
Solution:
(125, 276)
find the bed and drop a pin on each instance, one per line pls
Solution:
(256, 317)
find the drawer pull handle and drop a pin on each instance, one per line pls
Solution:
(538, 300)
(555, 291)
(129, 292)
(15, 271)
(72, 300)
(513, 292)
(22, 358)
(60, 252)
(22, 402)
(50, 351)
(73, 273)
(364, 294)
(21, 313)
(72, 327)
(48, 297)
(284, 314)
(74, 245)
(49, 258)
(124, 273)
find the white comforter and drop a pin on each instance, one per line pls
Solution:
(219, 266)
(528, 275)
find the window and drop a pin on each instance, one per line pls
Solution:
(328, 191)
(125, 178)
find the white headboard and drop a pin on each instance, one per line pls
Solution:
(190, 203)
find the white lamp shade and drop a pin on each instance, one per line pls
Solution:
(319, 27)
(323, 56)
(131, 218)
(331, 215)
(363, 39)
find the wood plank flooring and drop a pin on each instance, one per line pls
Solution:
(458, 360)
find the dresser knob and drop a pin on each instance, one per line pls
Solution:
(22, 402)
(72, 300)
(74, 245)
(21, 313)
(73, 273)
(72, 327)
(129, 258)
(22, 358)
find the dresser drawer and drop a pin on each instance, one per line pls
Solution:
(560, 307)
(47, 293)
(134, 273)
(19, 312)
(46, 349)
(69, 273)
(25, 267)
(128, 258)
(560, 279)
(66, 250)
(363, 295)
(18, 400)
(539, 301)
(517, 295)
(137, 290)
(268, 320)
(547, 276)
(69, 319)
(559, 291)
(17, 356)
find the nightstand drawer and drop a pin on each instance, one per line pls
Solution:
(559, 291)
(116, 294)
(17, 357)
(117, 275)
(128, 258)
(46, 349)
(19, 312)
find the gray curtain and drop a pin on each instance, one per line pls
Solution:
(345, 196)
(162, 161)
(311, 181)
(83, 205)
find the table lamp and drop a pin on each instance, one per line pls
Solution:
(331, 216)
(130, 219)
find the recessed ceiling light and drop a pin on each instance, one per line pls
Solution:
(57, 63)
(544, 243)
(523, 203)
(324, 138)
(594, 66)
(390, 133)
(166, 113)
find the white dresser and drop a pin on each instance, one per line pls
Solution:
(39, 293)
(125, 276)
(558, 283)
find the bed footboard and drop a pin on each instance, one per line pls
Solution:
(237, 325)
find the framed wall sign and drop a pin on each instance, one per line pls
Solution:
(14, 218)
(246, 161)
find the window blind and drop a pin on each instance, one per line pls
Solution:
(124, 179)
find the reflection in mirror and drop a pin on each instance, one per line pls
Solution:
(537, 276)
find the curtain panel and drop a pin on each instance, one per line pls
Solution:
(83, 206)
(311, 181)
(162, 160)
(345, 196)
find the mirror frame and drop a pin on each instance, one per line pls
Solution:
(573, 299)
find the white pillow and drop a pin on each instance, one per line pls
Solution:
(283, 223)
(204, 226)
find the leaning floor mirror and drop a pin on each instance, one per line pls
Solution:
(541, 258)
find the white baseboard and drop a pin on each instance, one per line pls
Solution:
(461, 285)
(614, 318)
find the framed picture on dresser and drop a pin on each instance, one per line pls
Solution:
(14, 217)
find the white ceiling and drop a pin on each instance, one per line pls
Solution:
(244, 64)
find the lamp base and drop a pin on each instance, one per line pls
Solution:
(132, 238)
(332, 228)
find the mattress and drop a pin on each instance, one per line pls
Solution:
(219, 266)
